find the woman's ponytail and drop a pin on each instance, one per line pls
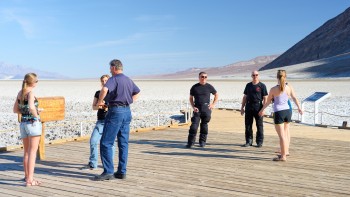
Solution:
(29, 79)
(281, 76)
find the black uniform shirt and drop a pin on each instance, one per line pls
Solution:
(255, 93)
(101, 113)
(201, 93)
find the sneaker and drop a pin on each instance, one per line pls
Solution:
(88, 167)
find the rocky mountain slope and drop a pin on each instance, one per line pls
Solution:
(331, 39)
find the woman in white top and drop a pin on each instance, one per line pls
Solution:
(282, 113)
(26, 105)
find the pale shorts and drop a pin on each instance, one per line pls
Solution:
(29, 129)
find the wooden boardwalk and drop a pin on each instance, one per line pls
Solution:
(159, 165)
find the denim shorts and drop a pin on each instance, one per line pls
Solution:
(29, 129)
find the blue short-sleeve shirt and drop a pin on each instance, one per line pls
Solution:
(121, 89)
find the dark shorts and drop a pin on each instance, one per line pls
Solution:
(282, 116)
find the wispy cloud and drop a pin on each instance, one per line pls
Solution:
(108, 43)
(13, 15)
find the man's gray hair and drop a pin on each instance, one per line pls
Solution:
(117, 63)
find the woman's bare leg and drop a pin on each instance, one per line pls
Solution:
(33, 147)
(286, 129)
(25, 156)
(281, 134)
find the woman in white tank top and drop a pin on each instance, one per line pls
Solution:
(282, 117)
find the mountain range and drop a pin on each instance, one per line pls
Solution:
(224, 71)
(9, 71)
(324, 53)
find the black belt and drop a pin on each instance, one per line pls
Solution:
(29, 119)
(200, 104)
(118, 105)
(254, 102)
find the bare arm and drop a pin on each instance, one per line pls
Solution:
(216, 97)
(94, 104)
(295, 99)
(265, 99)
(103, 94)
(135, 96)
(15, 106)
(32, 108)
(195, 109)
(267, 102)
(244, 101)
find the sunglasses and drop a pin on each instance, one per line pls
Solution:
(204, 77)
(254, 75)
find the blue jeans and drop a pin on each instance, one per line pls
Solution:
(117, 125)
(94, 141)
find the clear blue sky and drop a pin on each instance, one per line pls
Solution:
(78, 38)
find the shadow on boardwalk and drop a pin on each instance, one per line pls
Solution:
(208, 151)
(160, 165)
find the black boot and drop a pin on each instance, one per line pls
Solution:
(191, 140)
(202, 140)
(248, 143)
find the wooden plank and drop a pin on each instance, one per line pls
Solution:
(41, 150)
(8, 192)
(159, 165)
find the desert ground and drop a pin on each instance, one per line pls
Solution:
(159, 103)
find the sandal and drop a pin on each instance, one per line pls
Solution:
(278, 158)
(280, 154)
(33, 183)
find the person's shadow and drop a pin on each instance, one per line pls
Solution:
(15, 163)
(210, 150)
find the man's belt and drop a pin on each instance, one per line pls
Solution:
(118, 105)
(200, 104)
(254, 102)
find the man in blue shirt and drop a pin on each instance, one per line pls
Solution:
(122, 92)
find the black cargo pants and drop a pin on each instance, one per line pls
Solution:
(252, 112)
(201, 118)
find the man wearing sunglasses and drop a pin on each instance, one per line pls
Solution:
(255, 95)
(200, 102)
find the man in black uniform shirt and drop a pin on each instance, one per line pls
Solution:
(200, 102)
(255, 95)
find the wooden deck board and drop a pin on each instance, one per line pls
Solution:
(159, 165)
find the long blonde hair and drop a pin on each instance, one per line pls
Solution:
(281, 76)
(29, 79)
